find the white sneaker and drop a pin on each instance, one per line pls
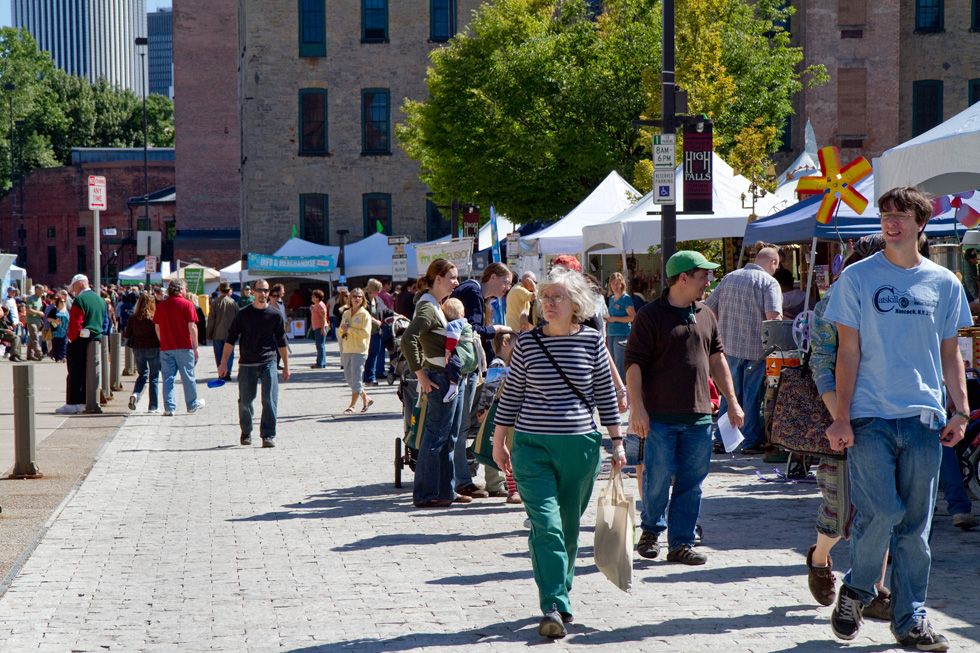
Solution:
(153, 410)
(67, 409)
(168, 413)
(132, 401)
(196, 407)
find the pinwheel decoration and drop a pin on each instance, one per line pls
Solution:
(966, 215)
(836, 183)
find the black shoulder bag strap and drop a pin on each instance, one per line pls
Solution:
(578, 393)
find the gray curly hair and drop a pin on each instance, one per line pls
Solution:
(577, 289)
(176, 287)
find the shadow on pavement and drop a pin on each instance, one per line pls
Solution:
(717, 575)
(220, 447)
(416, 539)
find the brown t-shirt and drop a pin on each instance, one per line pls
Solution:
(672, 346)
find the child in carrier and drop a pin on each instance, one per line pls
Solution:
(453, 310)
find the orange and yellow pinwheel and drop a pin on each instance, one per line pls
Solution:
(836, 184)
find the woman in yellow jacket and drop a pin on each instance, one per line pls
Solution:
(355, 340)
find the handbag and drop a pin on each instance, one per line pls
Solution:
(416, 425)
(483, 443)
(799, 418)
(614, 529)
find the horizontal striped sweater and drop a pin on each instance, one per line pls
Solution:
(537, 400)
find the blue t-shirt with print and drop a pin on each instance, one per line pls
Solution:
(617, 308)
(902, 317)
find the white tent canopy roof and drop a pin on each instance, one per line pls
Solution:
(300, 247)
(137, 272)
(609, 198)
(634, 230)
(943, 160)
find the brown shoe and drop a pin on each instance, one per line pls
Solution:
(821, 580)
(515, 499)
(880, 608)
(473, 491)
(462, 498)
(435, 503)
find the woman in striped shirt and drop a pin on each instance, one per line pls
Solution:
(559, 374)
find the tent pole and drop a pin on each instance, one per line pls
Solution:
(809, 274)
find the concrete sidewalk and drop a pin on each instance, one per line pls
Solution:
(181, 540)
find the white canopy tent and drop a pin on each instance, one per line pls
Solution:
(608, 199)
(300, 247)
(941, 161)
(136, 273)
(504, 227)
(371, 257)
(635, 230)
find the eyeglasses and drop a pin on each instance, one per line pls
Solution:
(553, 299)
(901, 217)
(265, 290)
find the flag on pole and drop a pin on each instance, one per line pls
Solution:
(494, 240)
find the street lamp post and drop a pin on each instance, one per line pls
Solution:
(9, 87)
(21, 232)
(142, 41)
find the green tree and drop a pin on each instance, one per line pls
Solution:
(533, 104)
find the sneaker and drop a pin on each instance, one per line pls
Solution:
(880, 608)
(823, 585)
(924, 638)
(846, 619)
(268, 443)
(551, 625)
(965, 520)
(451, 393)
(153, 410)
(67, 409)
(132, 401)
(473, 490)
(245, 440)
(649, 545)
(196, 407)
(686, 555)
(168, 413)
(462, 498)
(515, 499)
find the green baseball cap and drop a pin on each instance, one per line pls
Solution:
(686, 260)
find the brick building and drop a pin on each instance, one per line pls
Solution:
(897, 69)
(57, 224)
(207, 130)
(321, 91)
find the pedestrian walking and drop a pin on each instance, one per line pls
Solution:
(741, 302)
(176, 326)
(58, 325)
(619, 320)
(374, 366)
(222, 314)
(34, 305)
(672, 352)
(559, 374)
(260, 332)
(318, 324)
(246, 297)
(141, 337)
(355, 338)
(86, 324)
(897, 314)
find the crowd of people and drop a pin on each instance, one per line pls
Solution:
(575, 357)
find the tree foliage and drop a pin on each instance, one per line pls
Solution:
(534, 103)
(46, 112)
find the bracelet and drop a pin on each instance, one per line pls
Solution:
(621, 392)
(614, 438)
(618, 451)
(957, 413)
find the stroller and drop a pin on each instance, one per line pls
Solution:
(408, 394)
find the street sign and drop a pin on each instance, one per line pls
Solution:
(96, 193)
(663, 151)
(663, 187)
(148, 243)
(151, 264)
(399, 257)
(109, 231)
(399, 240)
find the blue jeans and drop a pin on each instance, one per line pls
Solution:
(951, 481)
(172, 363)
(375, 366)
(147, 368)
(682, 453)
(321, 350)
(894, 468)
(618, 354)
(219, 348)
(461, 469)
(434, 466)
(249, 377)
(747, 379)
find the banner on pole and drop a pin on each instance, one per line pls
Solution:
(289, 265)
(458, 252)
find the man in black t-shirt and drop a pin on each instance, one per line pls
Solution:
(262, 331)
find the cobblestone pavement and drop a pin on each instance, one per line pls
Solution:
(181, 540)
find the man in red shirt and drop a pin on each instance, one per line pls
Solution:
(176, 325)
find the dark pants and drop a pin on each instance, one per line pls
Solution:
(249, 378)
(59, 348)
(375, 366)
(77, 363)
(148, 371)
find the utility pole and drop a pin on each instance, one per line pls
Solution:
(668, 212)
(142, 41)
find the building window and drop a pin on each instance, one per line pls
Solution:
(52, 259)
(973, 92)
(928, 15)
(312, 28)
(852, 102)
(374, 21)
(975, 16)
(852, 13)
(314, 218)
(377, 214)
(82, 263)
(51, 232)
(80, 231)
(436, 224)
(142, 224)
(927, 105)
(442, 20)
(313, 121)
(375, 121)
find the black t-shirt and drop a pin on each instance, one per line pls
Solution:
(261, 330)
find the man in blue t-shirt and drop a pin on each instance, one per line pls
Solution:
(897, 315)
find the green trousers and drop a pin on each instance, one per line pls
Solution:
(555, 475)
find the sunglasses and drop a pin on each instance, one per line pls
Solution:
(265, 290)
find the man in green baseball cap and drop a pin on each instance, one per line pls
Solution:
(672, 350)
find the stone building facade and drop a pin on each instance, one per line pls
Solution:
(321, 89)
(897, 68)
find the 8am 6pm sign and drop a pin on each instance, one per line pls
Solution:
(698, 172)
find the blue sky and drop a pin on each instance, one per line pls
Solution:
(151, 5)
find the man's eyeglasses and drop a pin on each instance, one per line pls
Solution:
(901, 217)
(265, 290)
